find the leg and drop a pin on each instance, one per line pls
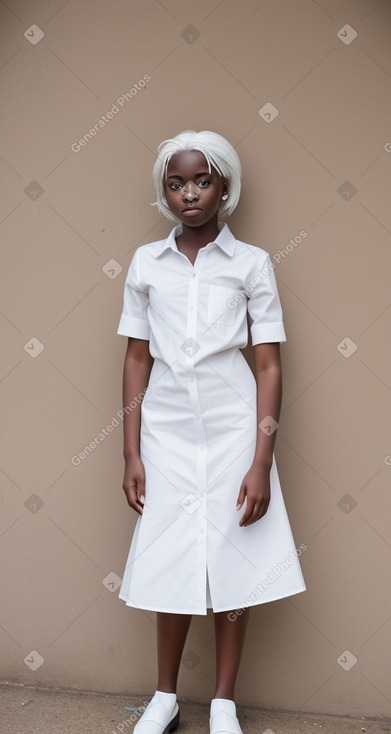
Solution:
(172, 631)
(162, 712)
(230, 636)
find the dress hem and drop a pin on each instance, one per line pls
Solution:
(215, 611)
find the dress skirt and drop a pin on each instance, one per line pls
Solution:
(188, 552)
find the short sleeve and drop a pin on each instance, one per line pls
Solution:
(134, 318)
(264, 304)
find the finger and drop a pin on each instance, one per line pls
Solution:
(135, 505)
(244, 520)
(131, 496)
(141, 490)
(259, 510)
(264, 508)
(241, 497)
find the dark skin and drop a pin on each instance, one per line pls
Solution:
(190, 186)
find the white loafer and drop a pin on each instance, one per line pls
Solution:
(223, 718)
(161, 715)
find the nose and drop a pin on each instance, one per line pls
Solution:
(190, 191)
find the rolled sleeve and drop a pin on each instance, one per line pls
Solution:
(134, 318)
(264, 305)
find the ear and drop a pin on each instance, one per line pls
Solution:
(224, 185)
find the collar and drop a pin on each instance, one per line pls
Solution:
(225, 240)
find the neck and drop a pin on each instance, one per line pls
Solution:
(199, 236)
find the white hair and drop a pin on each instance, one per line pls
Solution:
(218, 153)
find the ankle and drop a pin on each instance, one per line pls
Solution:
(169, 690)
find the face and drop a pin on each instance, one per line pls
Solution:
(192, 193)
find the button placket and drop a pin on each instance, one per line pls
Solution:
(199, 516)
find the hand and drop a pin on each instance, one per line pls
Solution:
(256, 487)
(134, 483)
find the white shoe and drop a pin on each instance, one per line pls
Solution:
(223, 718)
(161, 715)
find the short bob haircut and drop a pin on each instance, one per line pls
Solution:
(218, 153)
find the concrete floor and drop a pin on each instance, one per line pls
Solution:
(28, 710)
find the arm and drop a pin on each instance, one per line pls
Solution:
(137, 369)
(256, 483)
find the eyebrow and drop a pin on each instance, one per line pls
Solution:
(176, 175)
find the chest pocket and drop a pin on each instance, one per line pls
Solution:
(223, 304)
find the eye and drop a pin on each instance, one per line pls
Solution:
(175, 186)
(203, 184)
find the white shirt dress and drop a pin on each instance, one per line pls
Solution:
(198, 431)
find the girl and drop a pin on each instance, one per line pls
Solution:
(212, 529)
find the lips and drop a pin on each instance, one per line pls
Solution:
(191, 209)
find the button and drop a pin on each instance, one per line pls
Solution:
(202, 531)
(191, 308)
(202, 493)
(191, 379)
(202, 448)
(194, 275)
(196, 416)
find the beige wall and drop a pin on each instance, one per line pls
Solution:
(65, 215)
